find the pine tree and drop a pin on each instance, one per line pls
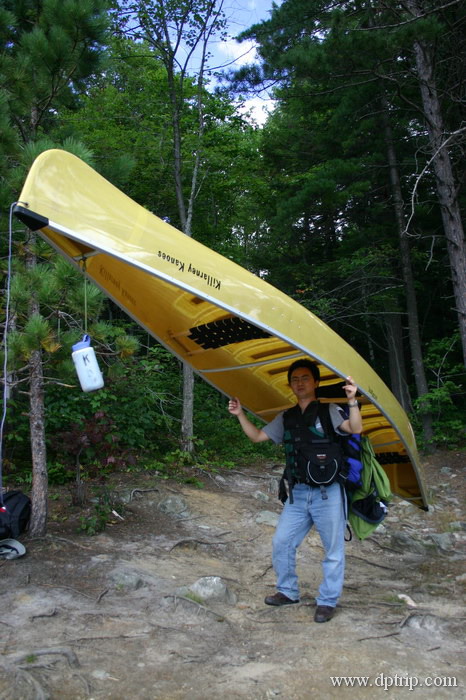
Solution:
(49, 49)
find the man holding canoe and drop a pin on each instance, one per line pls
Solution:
(308, 504)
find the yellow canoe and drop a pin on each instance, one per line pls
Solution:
(237, 332)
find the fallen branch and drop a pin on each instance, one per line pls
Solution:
(264, 572)
(381, 636)
(63, 539)
(136, 635)
(47, 665)
(67, 588)
(200, 607)
(380, 566)
(251, 539)
(254, 476)
(382, 546)
(210, 476)
(101, 595)
(167, 488)
(372, 604)
(194, 541)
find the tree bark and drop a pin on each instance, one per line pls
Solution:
(396, 360)
(187, 418)
(408, 277)
(187, 421)
(39, 493)
(443, 170)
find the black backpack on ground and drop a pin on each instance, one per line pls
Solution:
(15, 514)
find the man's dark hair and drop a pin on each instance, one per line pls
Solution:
(308, 364)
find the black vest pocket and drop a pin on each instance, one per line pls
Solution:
(322, 462)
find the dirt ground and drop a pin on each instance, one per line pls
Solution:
(110, 616)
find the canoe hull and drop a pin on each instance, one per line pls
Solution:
(237, 332)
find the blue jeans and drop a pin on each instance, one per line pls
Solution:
(296, 520)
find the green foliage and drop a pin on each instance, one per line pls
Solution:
(97, 522)
(84, 297)
(49, 49)
(103, 439)
(58, 473)
(36, 334)
(221, 434)
(126, 345)
(137, 413)
(448, 424)
(94, 443)
(446, 399)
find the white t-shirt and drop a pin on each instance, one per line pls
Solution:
(276, 428)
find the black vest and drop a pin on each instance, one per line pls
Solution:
(312, 457)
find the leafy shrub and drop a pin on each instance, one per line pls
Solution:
(446, 399)
(132, 422)
(94, 443)
(97, 522)
(136, 407)
(221, 433)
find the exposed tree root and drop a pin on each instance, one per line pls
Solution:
(199, 606)
(372, 563)
(191, 540)
(20, 657)
(135, 491)
(19, 665)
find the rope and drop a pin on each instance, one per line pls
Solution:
(83, 260)
(5, 347)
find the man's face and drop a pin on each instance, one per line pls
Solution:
(303, 383)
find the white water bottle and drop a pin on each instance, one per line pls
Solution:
(85, 361)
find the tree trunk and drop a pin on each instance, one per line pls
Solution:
(188, 410)
(396, 360)
(177, 159)
(187, 418)
(39, 493)
(446, 186)
(408, 278)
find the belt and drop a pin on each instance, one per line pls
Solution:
(311, 485)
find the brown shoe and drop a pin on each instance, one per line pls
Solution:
(323, 613)
(279, 599)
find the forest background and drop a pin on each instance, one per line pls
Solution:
(348, 198)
